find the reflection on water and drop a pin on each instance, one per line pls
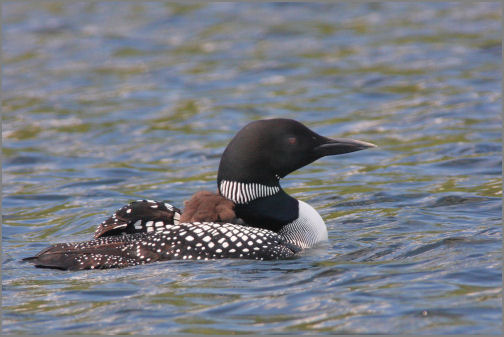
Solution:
(109, 102)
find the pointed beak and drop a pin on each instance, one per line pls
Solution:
(333, 146)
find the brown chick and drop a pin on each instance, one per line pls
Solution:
(207, 206)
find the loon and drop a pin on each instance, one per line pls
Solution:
(250, 216)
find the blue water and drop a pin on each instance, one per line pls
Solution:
(104, 103)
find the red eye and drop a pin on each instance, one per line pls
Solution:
(292, 140)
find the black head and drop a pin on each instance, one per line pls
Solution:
(266, 150)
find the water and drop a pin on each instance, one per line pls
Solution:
(105, 103)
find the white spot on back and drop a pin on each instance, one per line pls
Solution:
(138, 224)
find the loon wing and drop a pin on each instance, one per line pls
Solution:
(186, 241)
(141, 216)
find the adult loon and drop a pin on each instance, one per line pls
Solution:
(251, 217)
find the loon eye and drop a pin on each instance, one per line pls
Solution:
(292, 140)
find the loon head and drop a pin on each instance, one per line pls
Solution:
(257, 157)
(266, 150)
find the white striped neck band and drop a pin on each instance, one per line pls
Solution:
(242, 193)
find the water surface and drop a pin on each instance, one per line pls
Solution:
(105, 103)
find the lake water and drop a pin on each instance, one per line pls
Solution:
(104, 103)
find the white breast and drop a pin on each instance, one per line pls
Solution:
(308, 229)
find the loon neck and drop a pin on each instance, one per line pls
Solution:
(269, 207)
(261, 205)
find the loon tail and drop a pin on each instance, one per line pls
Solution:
(106, 252)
